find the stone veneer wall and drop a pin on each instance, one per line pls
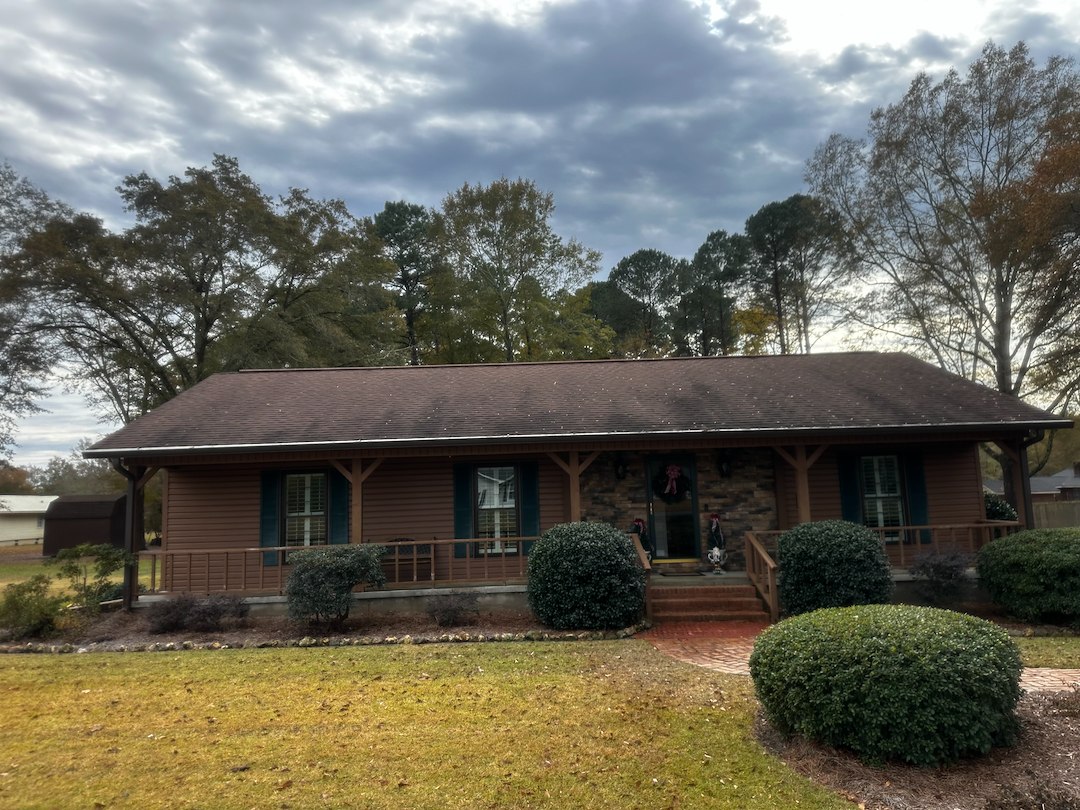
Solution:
(745, 501)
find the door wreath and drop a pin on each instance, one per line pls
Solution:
(671, 484)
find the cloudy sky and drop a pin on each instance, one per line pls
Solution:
(653, 122)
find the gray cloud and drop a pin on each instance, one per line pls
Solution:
(651, 123)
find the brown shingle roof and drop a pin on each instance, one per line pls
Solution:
(364, 407)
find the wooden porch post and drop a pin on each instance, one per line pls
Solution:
(574, 467)
(356, 475)
(137, 479)
(1018, 482)
(802, 463)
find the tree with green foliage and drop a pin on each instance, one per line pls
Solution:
(960, 208)
(707, 292)
(506, 261)
(88, 568)
(408, 239)
(648, 278)
(24, 357)
(793, 244)
(213, 275)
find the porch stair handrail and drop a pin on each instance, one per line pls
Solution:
(646, 563)
(761, 571)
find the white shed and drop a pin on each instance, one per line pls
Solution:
(22, 518)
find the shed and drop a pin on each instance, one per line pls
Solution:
(75, 519)
(22, 518)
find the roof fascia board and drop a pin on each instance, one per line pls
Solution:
(996, 428)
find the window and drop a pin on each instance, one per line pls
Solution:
(305, 509)
(496, 508)
(883, 503)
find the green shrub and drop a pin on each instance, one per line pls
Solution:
(1034, 575)
(997, 508)
(27, 609)
(939, 578)
(188, 612)
(88, 569)
(320, 584)
(585, 576)
(831, 563)
(916, 684)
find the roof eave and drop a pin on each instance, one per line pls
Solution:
(981, 428)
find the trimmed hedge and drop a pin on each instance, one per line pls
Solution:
(831, 563)
(319, 589)
(1034, 575)
(586, 576)
(890, 682)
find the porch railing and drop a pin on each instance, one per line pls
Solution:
(761, 571)
(407, 563)
(903, 546)
(646, 563)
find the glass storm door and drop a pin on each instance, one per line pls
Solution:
(672, 499)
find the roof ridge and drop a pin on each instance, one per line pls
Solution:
(590, 361)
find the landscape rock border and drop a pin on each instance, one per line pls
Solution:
(42, 648)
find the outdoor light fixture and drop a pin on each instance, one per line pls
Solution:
(620, 466)
(723, 463)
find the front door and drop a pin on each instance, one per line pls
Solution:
(672, 498)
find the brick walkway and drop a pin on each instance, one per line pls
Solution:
(726, 647)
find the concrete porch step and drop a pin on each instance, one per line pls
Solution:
(698, 603)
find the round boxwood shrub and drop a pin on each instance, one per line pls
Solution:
(831, 563)
(1034, 575)
(585, 576)
(890, 682)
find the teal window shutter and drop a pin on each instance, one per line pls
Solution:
(270, 515)
(850, 491)
(463, 506)
(915, 486)
(339, 508)
(529, 473)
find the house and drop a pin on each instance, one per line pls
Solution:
(1063, 485)
(459, 468)
(22, 518)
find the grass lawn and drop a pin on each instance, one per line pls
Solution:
(19, 563)
(1060, 652)
(558, 725)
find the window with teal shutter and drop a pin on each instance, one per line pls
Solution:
(496, 501)
(302, 509)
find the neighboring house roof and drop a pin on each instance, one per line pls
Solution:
(855, 393)
(1040, 485)
(25, 504)
(1043, 484)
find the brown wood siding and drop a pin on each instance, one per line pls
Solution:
(409, 498)
(554, 495)
(953, 491)
(212, 507)
(824, 491)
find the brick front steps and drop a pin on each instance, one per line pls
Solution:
(684, 602)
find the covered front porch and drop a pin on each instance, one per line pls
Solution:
(420, 565)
